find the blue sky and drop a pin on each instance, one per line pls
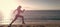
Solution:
(30, 4)
(41, 4)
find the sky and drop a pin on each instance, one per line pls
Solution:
(30, 4)
(40, 4)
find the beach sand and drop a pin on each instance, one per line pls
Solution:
(32, 25)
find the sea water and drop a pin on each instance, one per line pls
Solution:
(36, 16)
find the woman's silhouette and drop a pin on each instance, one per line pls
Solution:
(19, 11)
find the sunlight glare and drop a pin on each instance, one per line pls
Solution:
(6, 6)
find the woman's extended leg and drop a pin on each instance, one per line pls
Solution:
(13, 20)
